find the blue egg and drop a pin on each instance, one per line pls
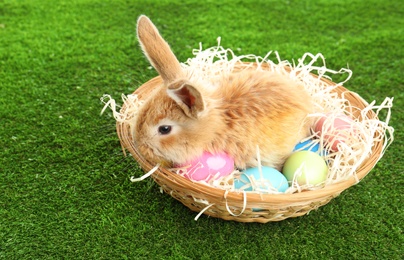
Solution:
(265, 182)
(308, 145)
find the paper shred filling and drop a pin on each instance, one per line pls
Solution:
(209, 64)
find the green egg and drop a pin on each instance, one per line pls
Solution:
(312, 166)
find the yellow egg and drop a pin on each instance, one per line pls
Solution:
(309, 168)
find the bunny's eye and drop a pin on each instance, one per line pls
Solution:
(165, 129)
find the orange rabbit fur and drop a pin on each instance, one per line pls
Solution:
(236, 113)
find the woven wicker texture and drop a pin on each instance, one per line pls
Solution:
(248, 207)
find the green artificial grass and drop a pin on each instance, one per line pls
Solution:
(65, 191)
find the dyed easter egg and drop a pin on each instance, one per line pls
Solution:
(208, 166)
(308, 145)
(252, 179)
(310, 166)
(334, 128)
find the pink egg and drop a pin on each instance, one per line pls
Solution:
(334, 128)
(208, 166)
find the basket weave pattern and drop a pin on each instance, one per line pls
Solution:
(248, 207)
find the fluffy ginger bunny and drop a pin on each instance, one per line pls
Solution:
(245, 109)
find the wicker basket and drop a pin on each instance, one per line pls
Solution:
(231, 205)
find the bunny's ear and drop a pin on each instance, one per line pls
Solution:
(157, 50)
(187, 97)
